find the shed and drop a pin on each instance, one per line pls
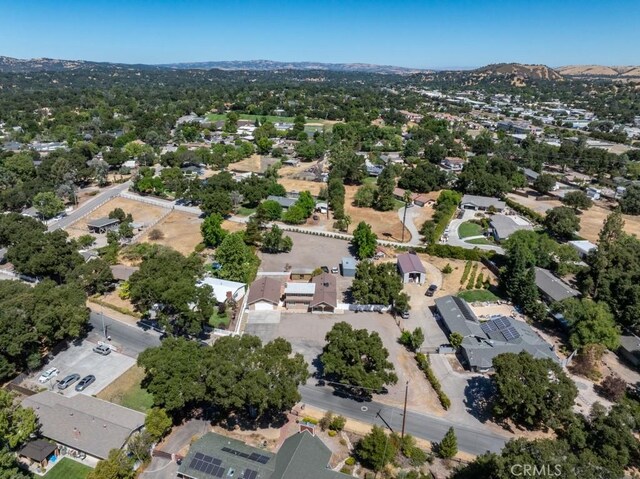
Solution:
(411, 268)
(302, 273)
(348, 267)
(39, 451)
(583, 247)
(102, 225)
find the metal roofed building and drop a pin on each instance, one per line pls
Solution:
(483, 341)
(84, 423)
(299, 295)
(583, 247)
(102, 225)
(301, 456)
(553, 288)
(348, 267)
(223, 289)
(503, 226)
(411, 268)
(473, 202)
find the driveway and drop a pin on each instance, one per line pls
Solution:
(454, 239)
(80, 359)
(412, 213)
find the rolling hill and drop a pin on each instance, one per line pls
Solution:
(520, 71)
(600, 71)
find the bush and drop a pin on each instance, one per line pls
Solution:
(456, 252)
(310, 420)
(338, 423)
(350, 461)
(447, 269)
(200, 247)
(156, 234)
(465, 273)
(343, 442)
(332, 433)
(346, 470)
(613, 388)
(425, 364)
(326, 420)
(472, 278)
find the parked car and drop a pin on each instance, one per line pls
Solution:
(102, 349)
(48, 375)
(85, 382)
(404, 315)
(68, 381)
(431, 290)
(335, 270)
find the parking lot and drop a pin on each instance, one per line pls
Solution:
(80, 359)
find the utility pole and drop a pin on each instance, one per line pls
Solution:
(407, 199)
(404, 411)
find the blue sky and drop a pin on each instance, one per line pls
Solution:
(453, 33)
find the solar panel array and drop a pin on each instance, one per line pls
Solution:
(207, 464)
(510, 333)
(488, 327)
(502, 324)
(249, 474)
(252, 457)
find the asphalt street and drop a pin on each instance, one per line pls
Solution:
(431, 428)
(130, 340)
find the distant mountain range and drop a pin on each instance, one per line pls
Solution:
(517, 72)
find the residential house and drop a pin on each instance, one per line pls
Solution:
(482, 203)
(225, 290)
(39, 451)
(301, 456)
(552, 288)
(503, 226)
(84, 423)
(325, 296)
(299, 296)
(348, 266)
(453, 163)
(583, 247)
(121, 272)
(286, 203)
(264, 294)
(530, 175)
(411, 268)
(483, 341)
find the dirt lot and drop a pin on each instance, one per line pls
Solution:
(233, 226)
(591, 222)
(141, 212)
(181, 232)
(385, 224)
(537, 206)
(253, 164)
(291, 184)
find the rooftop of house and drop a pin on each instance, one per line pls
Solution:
(84, 422)
(221, 287)
(265, 289)
(583, 246)
(483, 201)
(410, 263)
(505, 226)
(292, 289)
(283, 201)
(349, 263)
(630, 343)
(552, 286)
(326, 291)
(38, 450)
(121, 272)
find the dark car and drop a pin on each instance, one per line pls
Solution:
(68, 381)
(85, 382)
(431, 290)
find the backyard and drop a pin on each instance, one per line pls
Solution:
(127, 391)
(478, 295)
(179, 230)
(68, 469)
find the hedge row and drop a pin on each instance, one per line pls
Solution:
(457, 252)
(425, 364)
(524, 211)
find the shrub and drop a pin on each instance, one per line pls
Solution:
(524, 211)
(479, 281)
(425, 364)
(472, 277)
(346, 470)
(613, 388)
(310, 420)
(343, 442)
(200, 247)
(447, 269)
(465, 273)
(350, 461)
(156, 234)
(326, 420)
(456, 252)
(332, 433)
(338, 423)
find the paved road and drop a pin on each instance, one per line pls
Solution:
(431, 428)
(412, 212)
(89, 205)
(130, 340)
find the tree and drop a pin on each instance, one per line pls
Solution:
(157, 423)
(365, 196)
(562, 222)
(48, 204)
(17, 423)
(117, 466)
(455, 339)
(275, 242)
(376, 284)
(94, 276)
(590, 322)
(212, 231)
(364, 241)
(412, 340)
(239, 262)
(306, 203)
(295, 215)
(384, 200)
(544, 183)
(356, 358)
(376, 450)
(139, 445)
(613, 388)
(424, 178)
(531, 392)
(217, 202)
(630, 201)
(448, 447)
(578, 200)
(269, 210)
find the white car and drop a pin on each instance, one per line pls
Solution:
(48, 375)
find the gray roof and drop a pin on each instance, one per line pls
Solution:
(483, 202)
(552, 286)
(38, 450)
(484, 341)
(410, 263)
(300, 288)
(282, 201)
(505, 226)
(582, 246)
(84, 422)
(529, 173)
(630, 343)
(348, 263)
(102, 222)
(301, 456)
(121, 272)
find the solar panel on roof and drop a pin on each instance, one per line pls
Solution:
(488, 327)
(263, 459)
(502, 323)
(209, 468)
(249, 474)
(254, 456)
(217, 462)
(220, 472)
(510, 333)
(199, 455)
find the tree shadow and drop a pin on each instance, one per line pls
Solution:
(476, 398)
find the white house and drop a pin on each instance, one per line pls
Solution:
(223, 289)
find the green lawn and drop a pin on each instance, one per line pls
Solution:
(480, 241)
(138, 399)
(217, 319)
(467, 229)
(244, 211)
(473, 295)
(68, 469)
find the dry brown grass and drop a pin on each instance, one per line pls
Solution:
(291, 184)
(451, 282)
(591, 223)
(181, 232)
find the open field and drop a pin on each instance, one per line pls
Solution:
(591, 222)
(142, 213)
(181, 232)
(451, 282)
(127, 391)
(291, 184)
(68, 469)
(254, 164)
(386, 224)
(537, 206)
(232, 226)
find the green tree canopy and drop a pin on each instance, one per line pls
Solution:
(239, 262)
(48, 204)
(117, 466)
(630, 201)
(544, 183)
(578, 200)
(448, 447)
(274, 241)
(376, 449)
(212, 231)
(364, 241)
(562, 222)
(590, 323)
